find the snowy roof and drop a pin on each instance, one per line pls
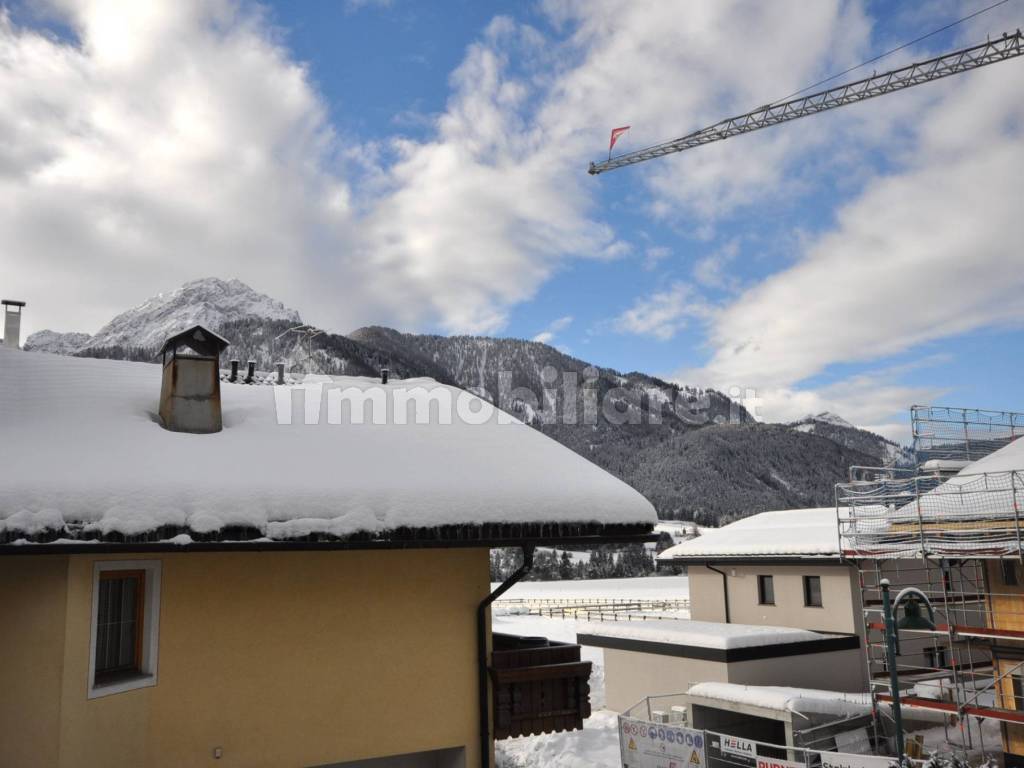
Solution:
(84, 458)
(802, 701)
(783, 533)
(988, 487)
(701, 634)
(1008, 458)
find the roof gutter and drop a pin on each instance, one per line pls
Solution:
(725, 588)
(470, 537)
(752, 560)
(482, 627)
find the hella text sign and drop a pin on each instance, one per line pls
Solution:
(737, 746)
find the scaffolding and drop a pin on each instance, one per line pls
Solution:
(957, 539)
(948, 439)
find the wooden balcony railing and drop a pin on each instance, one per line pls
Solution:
(540, 686)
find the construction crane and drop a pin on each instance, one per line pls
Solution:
(1006, 47)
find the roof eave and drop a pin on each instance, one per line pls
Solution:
(791, 559)
(466, 537)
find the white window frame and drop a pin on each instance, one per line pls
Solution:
(150, 626)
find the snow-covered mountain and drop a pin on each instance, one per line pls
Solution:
(210, 301)
(56, 343)
(837, 429)
(826, 417)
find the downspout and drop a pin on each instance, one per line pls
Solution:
(725, 587)
(481, 652)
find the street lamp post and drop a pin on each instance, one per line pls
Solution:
(912, 620)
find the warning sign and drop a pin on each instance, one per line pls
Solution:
(652, 745)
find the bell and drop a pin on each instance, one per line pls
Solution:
(912, 617)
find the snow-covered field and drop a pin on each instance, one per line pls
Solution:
(597, 745)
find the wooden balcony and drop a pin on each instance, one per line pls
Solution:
(540, 686)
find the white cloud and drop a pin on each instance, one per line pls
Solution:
(664, 313)
(172, 140)
(554, 327)
(711, 270)
(654, 255)
(168, 142)
(924, 253)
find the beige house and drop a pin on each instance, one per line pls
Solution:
(287, 591)
(780, 568)
(771, 604)
(653, 658)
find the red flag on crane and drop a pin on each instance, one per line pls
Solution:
(616, 132)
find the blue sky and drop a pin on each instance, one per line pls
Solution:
(423, 165)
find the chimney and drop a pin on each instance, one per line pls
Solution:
(190, 391)
(234, 372)
(12, 323)
(384, 375)
(250, 371)
(280, 373)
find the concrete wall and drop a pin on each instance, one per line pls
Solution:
(289, 658)
(630, 676)
(840, 611)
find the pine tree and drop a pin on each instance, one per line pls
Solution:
(565, 569)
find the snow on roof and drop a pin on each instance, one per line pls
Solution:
(783, 533)
(802, 701)
(989, 486)
(1008, 458)
(702, 634)
(83, 455)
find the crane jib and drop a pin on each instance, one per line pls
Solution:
(1006, 47)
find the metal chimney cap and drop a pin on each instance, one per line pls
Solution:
(200, 339)
(12, 303)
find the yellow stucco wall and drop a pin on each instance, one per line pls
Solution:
(1006, 603)
(285, 659)
(33, 601)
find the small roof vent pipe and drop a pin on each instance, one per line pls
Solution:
(12, 322)
(250, 371)
(234, 372)
(384, 375)
(190, 389)
(280, 373)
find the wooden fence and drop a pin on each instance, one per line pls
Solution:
(601, 609)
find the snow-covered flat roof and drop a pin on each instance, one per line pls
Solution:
(701, 634)
(803, 701)
(783, 533)
(82, 456)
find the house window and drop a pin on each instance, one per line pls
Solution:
(1018, 689)
(812, 591)
(125, 615)
(935, 657)
(765, 590)
(119, 625)
(1010, 578)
